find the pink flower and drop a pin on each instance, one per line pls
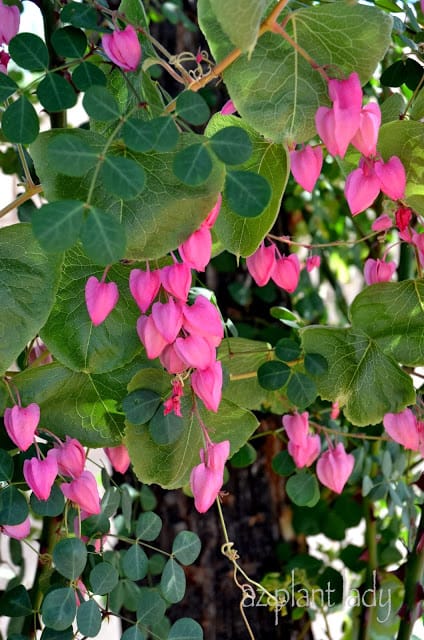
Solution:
(101, 298)
(41, 474)
(206, 478)
(83, 492)
(392, 177)
(123, 48)
(173, 404)
(228, 109)
(261, 264)
(4, 61)
(403, 428)
(286, 272)
(171, 360)
(70, 457)
(195, 351)
(21, 424)
(378, 271)
(151, 338)
(207, 385)
(334, 468)
(144, 287)
(196, 250)
(403, 217)
(297, 427)
(306, 453)
(168, 318)
(306, 164)
(362, 187)
(337, 126)
(213, 213)
(202, 318)
(365, 139)
(119, 457)
(335, 411)
(382, 223)
(312, 262)
(9, 22)
(176, 279)
(17, 531)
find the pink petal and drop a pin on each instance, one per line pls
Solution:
(101, 298)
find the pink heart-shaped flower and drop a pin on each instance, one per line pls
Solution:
(100, 298)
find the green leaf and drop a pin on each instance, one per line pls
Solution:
(69, 42)
(394, 319)
(59, 608)
(273, 375)
(27, 289)
(242, 236)
(29, 52)
(87, 74)
(95, 526)
(232, 145)
(70, 557)
(110, 501)
(80, 15)
(247, 193)
(20, 122)
(55, 93)
(6, 466)
(283, 463)
(135, 563)
(148, 499)
(89, 618)
(15, 603)
(71, 155)
(122, 177)
(151, 607)
(185, 629)
(193, 165)
(57, 225)
(240, 22)
(165, 430)
(148, 526)
(138, 135)
(103, 578)
(100, 104)
(7, 87)
(133, 633)
(69, 333)
(173, 582)
(165, 133)
(365, 381)
(275, 89)
(51, 507)
(315, 364)
(141, 405)
(103, 237)
(52, 634)
(244, 456)
(287, 350)
(156, 221)
(301, 390)
(192, 108)
(170, 465)
(186, 547)
(302, 488)
(83, 404)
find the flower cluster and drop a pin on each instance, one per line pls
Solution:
(333, 467)
(348, 122)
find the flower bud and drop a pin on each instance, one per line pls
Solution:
(378, 271)
(402, 427)
(286, 272)
(123, 48)
(119, 457)
(305, 454)
(261, 264)
(70, 457)
(206, 478)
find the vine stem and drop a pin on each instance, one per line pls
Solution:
(414, 572)
(336, 243)
(27, 195)
(267, 25)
